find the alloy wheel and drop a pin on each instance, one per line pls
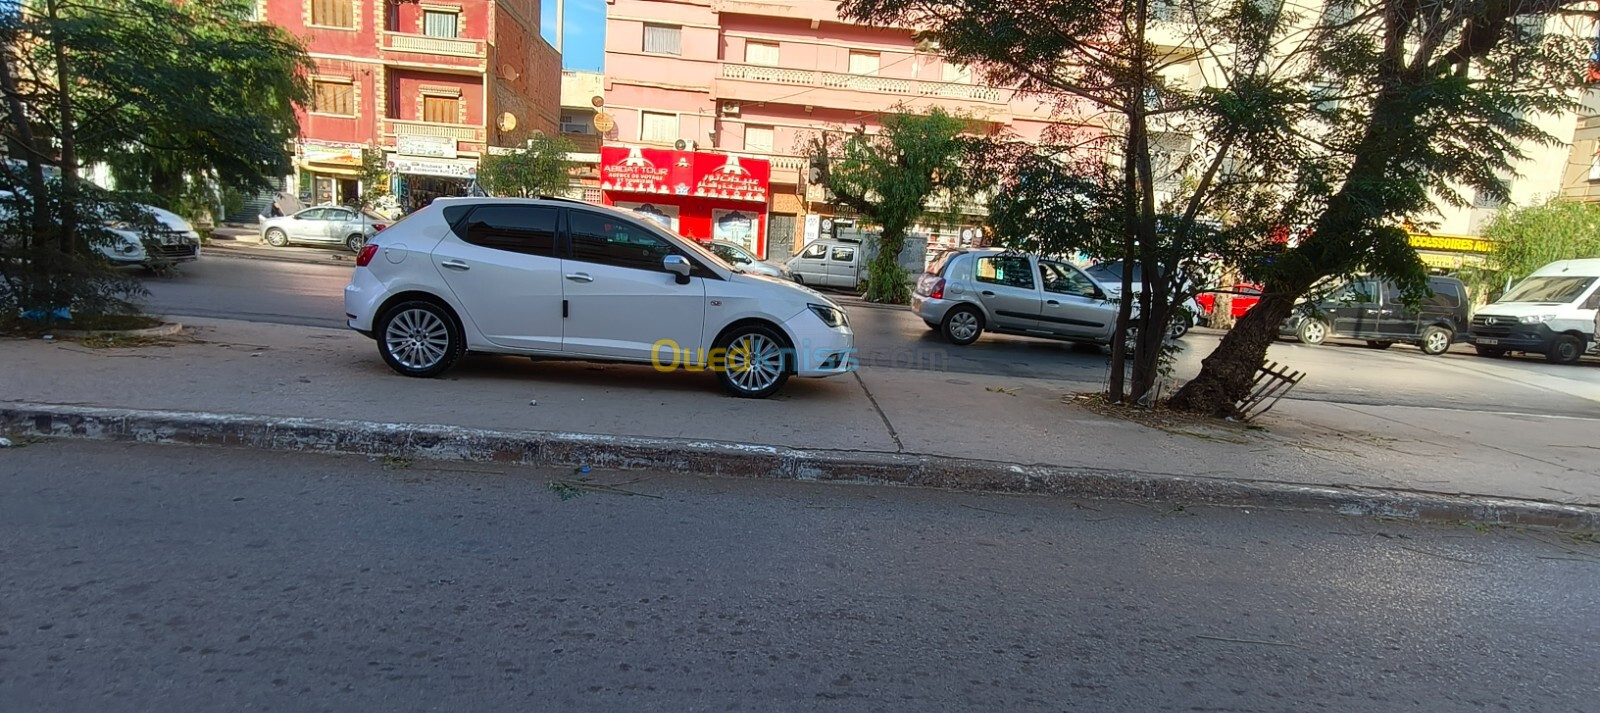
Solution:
(755, 362)
(417, 339)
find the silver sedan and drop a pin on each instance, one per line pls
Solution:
(323, 224)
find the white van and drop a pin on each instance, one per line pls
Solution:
(1551, 312)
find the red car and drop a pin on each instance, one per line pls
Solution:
(1246, 295)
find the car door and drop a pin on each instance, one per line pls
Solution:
(811, 265)
(1395, 319)
(1074, 306)
(502, 266)
(309, 225)
(842, 265)
(339, 223)
(621, 301)
(1007, 289)
(1352, 311)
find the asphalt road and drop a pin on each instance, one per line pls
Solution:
(310, 293)
(163, 578)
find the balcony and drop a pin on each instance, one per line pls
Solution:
(440, 46)
(459, 132)
(850, 83)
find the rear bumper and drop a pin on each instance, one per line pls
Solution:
(362, 297)
(929, 309)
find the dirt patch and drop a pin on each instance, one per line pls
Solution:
(1162, 419)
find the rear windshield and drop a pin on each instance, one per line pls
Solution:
(942, 262)
(1559, 290)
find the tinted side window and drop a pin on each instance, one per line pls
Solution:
(313, 214)
(1445, 294)
(1008, 270)
(1062, 279)
(607, 240)
(530, 230)
(341, 215)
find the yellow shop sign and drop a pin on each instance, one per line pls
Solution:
(1451, 243)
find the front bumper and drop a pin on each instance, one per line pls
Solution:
(1513, 337)
(820, 350)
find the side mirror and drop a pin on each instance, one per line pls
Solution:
(677, 265)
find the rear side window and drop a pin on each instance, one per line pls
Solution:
(1008, 270)
(608, 240)
(843, 254)
(530, 230)
(1445, 294)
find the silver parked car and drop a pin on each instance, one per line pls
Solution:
(967, 292)
(323, 224)
(734, 254)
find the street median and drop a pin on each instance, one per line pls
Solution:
(726, 458)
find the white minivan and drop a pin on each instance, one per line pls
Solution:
(1551, 312)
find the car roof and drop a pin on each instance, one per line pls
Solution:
(1586, 267)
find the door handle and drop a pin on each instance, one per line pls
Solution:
(579, 277)
(1373, 311)
(988, 293)
(1051, 302)
(455, 265)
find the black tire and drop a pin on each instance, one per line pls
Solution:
(1566, 349)
(1379, 344)
(1179, 327)
(356, 242)
(747, 368)
(417, 348)
(799, 279)
(1312, 331)
(961, 325)
(1435, 341)
(1490, 352)
(277, 238)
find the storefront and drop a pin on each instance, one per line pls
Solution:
(419, 180)
(328, 172)
(698, 195)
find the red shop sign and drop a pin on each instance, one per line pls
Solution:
(684, 173)
(731, 177)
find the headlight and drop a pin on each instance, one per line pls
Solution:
(1535, 318)
(829, 315)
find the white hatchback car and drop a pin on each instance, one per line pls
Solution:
(560, 278)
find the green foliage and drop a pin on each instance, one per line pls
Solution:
(36, 276)
(1531, 237)
(889, 178)
(540, 169)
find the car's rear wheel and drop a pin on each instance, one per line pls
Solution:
(277, 238)
(356, 242)
(1312, 331)
(755, 364)
(1179, 327)
(1566, 349)
(420, 338)
(962, 325)
(1435, 341)
(1491, 352)
(1379, 344)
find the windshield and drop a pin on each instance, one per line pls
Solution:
(1561, 290)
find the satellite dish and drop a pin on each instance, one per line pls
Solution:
(604, 123)
(509, 73)
(507, 122)
(598, 101)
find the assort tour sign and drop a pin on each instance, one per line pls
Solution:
(684, 173)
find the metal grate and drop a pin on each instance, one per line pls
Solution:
(1272, 382)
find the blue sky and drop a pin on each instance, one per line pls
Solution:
(586, 32)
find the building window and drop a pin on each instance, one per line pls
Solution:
(762, 53)
(658, 128)
(574, 124)
(441, 110)
(441, 23)
(334, 98)
(663, 39)
(959, 73)
(1594, 166)
(758, 139)
(863, 62)
(333, 13)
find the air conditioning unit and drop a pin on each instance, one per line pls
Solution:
(685, 145)
(730, 108)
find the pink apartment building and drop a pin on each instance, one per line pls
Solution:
(758, 77)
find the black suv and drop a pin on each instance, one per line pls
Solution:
(1369, 308)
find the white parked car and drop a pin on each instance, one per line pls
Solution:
(333, 224)
(559, 278)
(172, 240)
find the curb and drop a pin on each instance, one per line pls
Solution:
(548, 448)
(165, 329)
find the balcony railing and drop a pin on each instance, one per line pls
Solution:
(424, 44)
(459, 132)
(862, 83)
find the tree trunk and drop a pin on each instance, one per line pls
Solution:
(1226, 374)
(887, 262)
(30, 148)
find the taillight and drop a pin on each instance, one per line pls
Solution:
(376, 227)
(367, 251)
(936, 290)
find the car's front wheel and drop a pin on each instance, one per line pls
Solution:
(1312, 331)
(277, 238)
(419, 338)
(1566, 349)
(1435, 341)
(754, 362)
(356, 242)
(962, 325)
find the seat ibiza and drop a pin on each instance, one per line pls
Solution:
(558, 278)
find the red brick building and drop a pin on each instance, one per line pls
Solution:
(431, 83)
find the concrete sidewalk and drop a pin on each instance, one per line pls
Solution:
(243, 368)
